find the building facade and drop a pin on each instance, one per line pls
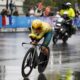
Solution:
(17, 3)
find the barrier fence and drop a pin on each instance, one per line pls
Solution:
(25, 22)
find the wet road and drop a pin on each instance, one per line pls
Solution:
(63, 57)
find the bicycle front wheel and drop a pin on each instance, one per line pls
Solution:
(27, 64)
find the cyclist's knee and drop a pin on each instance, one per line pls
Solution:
(44, 50)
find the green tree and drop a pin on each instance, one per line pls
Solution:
(53, 3)
(27, 4)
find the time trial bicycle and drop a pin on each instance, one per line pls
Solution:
(34, 57)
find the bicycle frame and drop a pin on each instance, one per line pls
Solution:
(35, 49)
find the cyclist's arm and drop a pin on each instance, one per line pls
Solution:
(32, 34)
(40, 36)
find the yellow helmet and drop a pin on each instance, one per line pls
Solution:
(36, 24)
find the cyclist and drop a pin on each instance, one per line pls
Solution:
(39, 30)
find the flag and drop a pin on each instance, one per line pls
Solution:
(5, 20)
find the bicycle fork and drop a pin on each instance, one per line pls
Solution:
(35, 58)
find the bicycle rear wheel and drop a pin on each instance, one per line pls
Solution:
(27, 64)
(43, 61)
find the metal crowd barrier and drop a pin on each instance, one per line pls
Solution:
(25, 22)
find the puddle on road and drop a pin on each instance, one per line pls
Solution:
(14, 73)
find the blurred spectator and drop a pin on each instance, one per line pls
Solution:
(56, 18)
(47, 11)
(40, 5)
(57, 15)
(5, 18)
(4, 12)
(15, 13)
(39, 9)
(76, 21)
(27, 11)
(77, 13)
(11, 7)
(31, 11)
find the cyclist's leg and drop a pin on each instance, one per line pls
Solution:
(44, 57)
(47, 39)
